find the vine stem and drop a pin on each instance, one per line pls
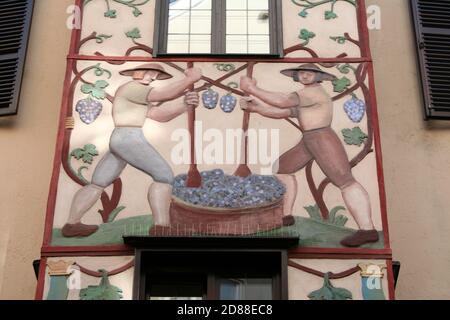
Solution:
(311, 4)
(332, 276)
(98, 274)
(109, 204)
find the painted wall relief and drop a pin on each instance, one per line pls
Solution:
(208, 146)
(146, 145)
(110, 278)
(324, 127)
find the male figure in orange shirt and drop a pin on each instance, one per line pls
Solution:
(313, 107)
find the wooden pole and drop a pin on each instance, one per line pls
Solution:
(194, 179)
(243, 170)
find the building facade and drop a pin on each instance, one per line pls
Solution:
(281, 38)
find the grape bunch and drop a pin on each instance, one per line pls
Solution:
(355, 109)
(89, 110)
(219, 190)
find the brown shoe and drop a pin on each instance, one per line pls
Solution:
(288, 221)
(360, 237)
(78, 230)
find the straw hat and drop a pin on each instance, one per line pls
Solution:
(308, 67)
(163, 74)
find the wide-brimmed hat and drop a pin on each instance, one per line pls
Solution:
(308, 67)
(163, 74)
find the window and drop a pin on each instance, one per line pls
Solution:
(15, 20)
(193, 275)
(432, 24)
(218, 27)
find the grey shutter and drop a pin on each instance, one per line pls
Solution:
(15, 21)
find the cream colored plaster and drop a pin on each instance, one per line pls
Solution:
(27, 142)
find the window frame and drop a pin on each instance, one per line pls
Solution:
(218, 32)
(423, 59)
(19, 56)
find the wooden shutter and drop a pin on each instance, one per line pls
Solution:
(432, 24)
(15, 20)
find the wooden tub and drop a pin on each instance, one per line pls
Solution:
(187, 218)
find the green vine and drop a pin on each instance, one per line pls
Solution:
(345, 68)
(132, 4)
(99, 71)
(339, 39)
(86, 155)
(309, 4)
(102, 37)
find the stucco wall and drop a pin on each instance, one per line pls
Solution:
(416, 156)
(416, 161)
(27, 142)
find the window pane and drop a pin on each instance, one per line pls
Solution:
(259, 44)
(178, 21)
(179, 4)
(200, 44)
(201, 22)
(237, 4)
(201, 4)
(258, 23)
(237, 22)
(245, 289)
(177, 43)
(258, 5)
(237, 44)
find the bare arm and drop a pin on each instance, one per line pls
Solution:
(176, 89)
(275, 99)
(167, 113)
(252, 105)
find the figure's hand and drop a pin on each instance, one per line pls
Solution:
(191, 100)
(193, 74)
(247, 84)
(249, 104)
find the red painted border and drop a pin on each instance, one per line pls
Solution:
(119, 250)
(215, 59)
(41, 280)
(391, 281)
(47, 250)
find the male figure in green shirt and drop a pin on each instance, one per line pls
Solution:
(133, 104)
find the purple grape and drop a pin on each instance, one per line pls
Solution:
(89, 110)
(355, 109)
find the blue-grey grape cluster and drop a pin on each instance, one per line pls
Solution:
(224, 191)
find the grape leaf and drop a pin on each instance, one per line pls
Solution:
(98, 93)
(91, 149)
(87, 153)
(340, 85)
(77, 154)
(104, 291)
(303, 13)
(137, 12)
(329, 292)
(134, 34)
(306, 35)
(86, 88)
(330, 15)
(102, 84)
(111, 14)
(354, 136)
